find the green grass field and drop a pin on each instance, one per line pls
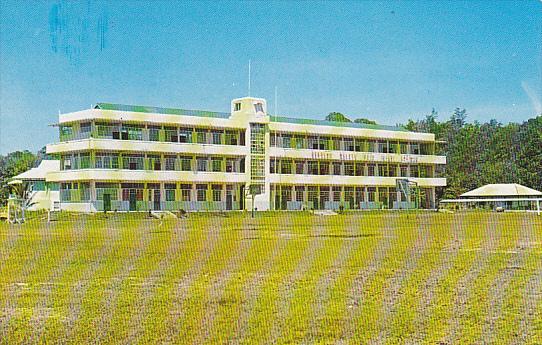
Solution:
(285, 278)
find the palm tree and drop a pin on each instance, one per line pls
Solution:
(23, 192)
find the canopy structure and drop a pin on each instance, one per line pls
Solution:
(505, 196)
(512, 190)
(40, 172)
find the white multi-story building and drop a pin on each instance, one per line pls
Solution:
(135, 158)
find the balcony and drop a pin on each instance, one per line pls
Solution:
(145, 175)
(295, 179)
(146, 146)
(355, 156)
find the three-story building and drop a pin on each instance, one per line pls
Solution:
(135, 158)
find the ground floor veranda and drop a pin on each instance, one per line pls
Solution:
(189, 196)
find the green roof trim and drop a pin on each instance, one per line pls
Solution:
(334, 123)
(222, 115)
(159, 110)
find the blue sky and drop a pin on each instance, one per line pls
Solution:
(388, 61)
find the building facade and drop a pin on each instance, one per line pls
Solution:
(134, 158)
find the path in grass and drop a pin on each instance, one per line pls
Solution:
(93, 317)
(131, 292)
(66, 297)
(365, 323)
(233, 315)
(32, 260)
(83, 238)
(530, 321)
(299, 308)
(166, 305)
(354, 235)
(453, 228)
(150, 276)
(475, 301)
(154, 319)
(332, 313)
(440, 312)
(504, 282)
(405, 290)
(229, 294)
(199, 306)
(263, 317)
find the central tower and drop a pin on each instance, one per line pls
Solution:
(252, 113)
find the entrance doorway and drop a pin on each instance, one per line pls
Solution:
(132, 200)
(107, 202)
(156, 199)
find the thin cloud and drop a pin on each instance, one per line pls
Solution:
(534, 97)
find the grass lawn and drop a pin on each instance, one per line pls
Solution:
(286, 278)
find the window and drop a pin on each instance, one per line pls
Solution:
(85, 127)
(299, 191)
(154, 133)
(286, 167)
(336, 168)
(324, 143)
(170, 162)
(337, 144)
(171, 135)
(272, 166)
(66, 132)
(84, 160)
(336, 193)
(358, 145)
(67, 163)
(217, 192)
(324, 168)
(216, 164)
(131, 132)
(185, 192)
(360, 170)
(201, 136)
(230, 165)
(186, 163)
(404, 170)
(170, 191)
(300, 142)
(185, 135)
(107, 161)
(313, 143)
(371, 170)
(313, 167)
(415, 148)
(133, 162)
(348, 144)
(231, 138)
(299, 167)
(383, 170)
(201, 192)
(201, 164)
(237, 106)
(154, 162)
(216, 137)
(105, 130)
(349, 169)
(258, 107)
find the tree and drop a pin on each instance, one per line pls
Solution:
(365, 121)
(13, 164)
(337, 117)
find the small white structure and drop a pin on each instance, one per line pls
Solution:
(44, 194)
(511, 196)
(511, 190)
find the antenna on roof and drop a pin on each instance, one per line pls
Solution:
(276, 111)
(248, 77)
